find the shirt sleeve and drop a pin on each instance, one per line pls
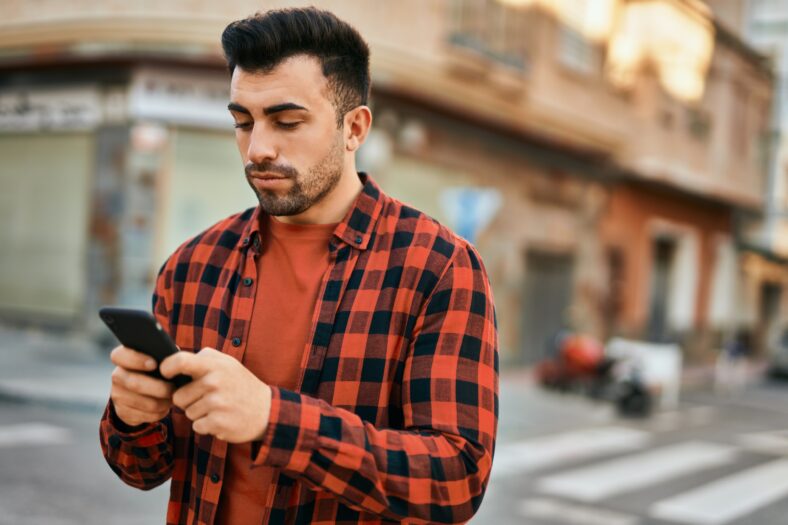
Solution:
(437, 467)
(141, 456)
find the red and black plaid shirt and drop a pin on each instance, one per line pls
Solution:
(395, 415)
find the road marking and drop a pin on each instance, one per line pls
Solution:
(33, 434)
(572, 513)
(729, 498)
(771, 442)
(599, 481)
(558, 449)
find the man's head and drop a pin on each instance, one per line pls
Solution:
(300, 82)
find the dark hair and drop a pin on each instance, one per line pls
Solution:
(261, 42)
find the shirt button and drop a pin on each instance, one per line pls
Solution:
(248, 281)
(359, 240)
(236, 341)
(215, 477)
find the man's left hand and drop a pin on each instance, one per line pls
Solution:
(224, 399)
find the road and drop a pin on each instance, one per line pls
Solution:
(559, 460)
(53, 473)
(712, 461)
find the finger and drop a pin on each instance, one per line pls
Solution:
(189, 394)
(143, 384)
(149, 405)
(194, 365)
(199, 409)
(131, 359)
(204, 426)
(133, 417)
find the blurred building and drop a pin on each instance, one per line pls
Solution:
(598, 152)
(764, 236)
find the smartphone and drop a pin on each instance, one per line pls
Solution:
(139, 330)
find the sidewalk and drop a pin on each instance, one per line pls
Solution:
(62, 371)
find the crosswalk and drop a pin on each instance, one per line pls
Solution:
(581, 477)
(729, 498)
(635, 472)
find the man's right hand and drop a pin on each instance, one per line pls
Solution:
(137, 397)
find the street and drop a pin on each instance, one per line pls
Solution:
(713, 461)
(53, 472)
(559, 460)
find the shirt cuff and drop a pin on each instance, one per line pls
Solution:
(124, 431)
(291, 435)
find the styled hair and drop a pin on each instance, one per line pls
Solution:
(259, 43)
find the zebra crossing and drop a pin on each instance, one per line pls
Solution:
(601, 481)
(576, 476)
(729, 498)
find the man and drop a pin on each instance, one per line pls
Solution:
(342, 345)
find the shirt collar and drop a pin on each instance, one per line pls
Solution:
(355, 229)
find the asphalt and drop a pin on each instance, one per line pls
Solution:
(53, 368)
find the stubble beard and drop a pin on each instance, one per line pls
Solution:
(306, 189)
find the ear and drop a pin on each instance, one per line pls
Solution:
(357, 124)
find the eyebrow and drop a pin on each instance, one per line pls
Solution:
(270, 110)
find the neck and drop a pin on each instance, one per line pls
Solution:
(332, 208)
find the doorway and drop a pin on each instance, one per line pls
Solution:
(547, 297)
(661, 277)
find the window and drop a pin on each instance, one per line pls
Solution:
(740, 129)
(698, 124)
(491, 29)
(576, 52)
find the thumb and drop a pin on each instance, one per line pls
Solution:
(186, 363)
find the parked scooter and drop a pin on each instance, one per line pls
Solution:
(577, 363)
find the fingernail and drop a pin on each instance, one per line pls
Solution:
(150, 364)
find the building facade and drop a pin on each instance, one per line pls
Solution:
(599, 177)
(764, 235)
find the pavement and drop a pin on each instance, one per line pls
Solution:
(55, 369)
(72, 371)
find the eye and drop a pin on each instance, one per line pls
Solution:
(243, 125)
(288, 125)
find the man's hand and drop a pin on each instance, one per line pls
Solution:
(137, 398)
(224, 399)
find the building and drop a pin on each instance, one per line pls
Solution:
(599, 175)
(764, 236)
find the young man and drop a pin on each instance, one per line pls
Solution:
(342, 345)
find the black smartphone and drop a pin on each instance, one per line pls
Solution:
(139, 330)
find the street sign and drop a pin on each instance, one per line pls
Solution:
(470, 210)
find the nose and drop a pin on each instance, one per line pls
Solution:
(261, 146)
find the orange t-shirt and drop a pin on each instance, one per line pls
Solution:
(289, 273)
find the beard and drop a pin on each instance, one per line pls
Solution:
(305, 189)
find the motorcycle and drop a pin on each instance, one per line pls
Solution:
(578, 363)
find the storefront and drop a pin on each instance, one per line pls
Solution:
(103, 179)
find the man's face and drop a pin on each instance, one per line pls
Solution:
(287, 135)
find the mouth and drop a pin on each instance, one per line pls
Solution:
(268, 181)
(266, 176)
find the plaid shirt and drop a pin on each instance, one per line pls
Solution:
(395, 415)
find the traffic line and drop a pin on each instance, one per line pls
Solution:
(771, 442)
(33, 434)
(559, 449)
(600, 481)
(729, 498)
(572, 513)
